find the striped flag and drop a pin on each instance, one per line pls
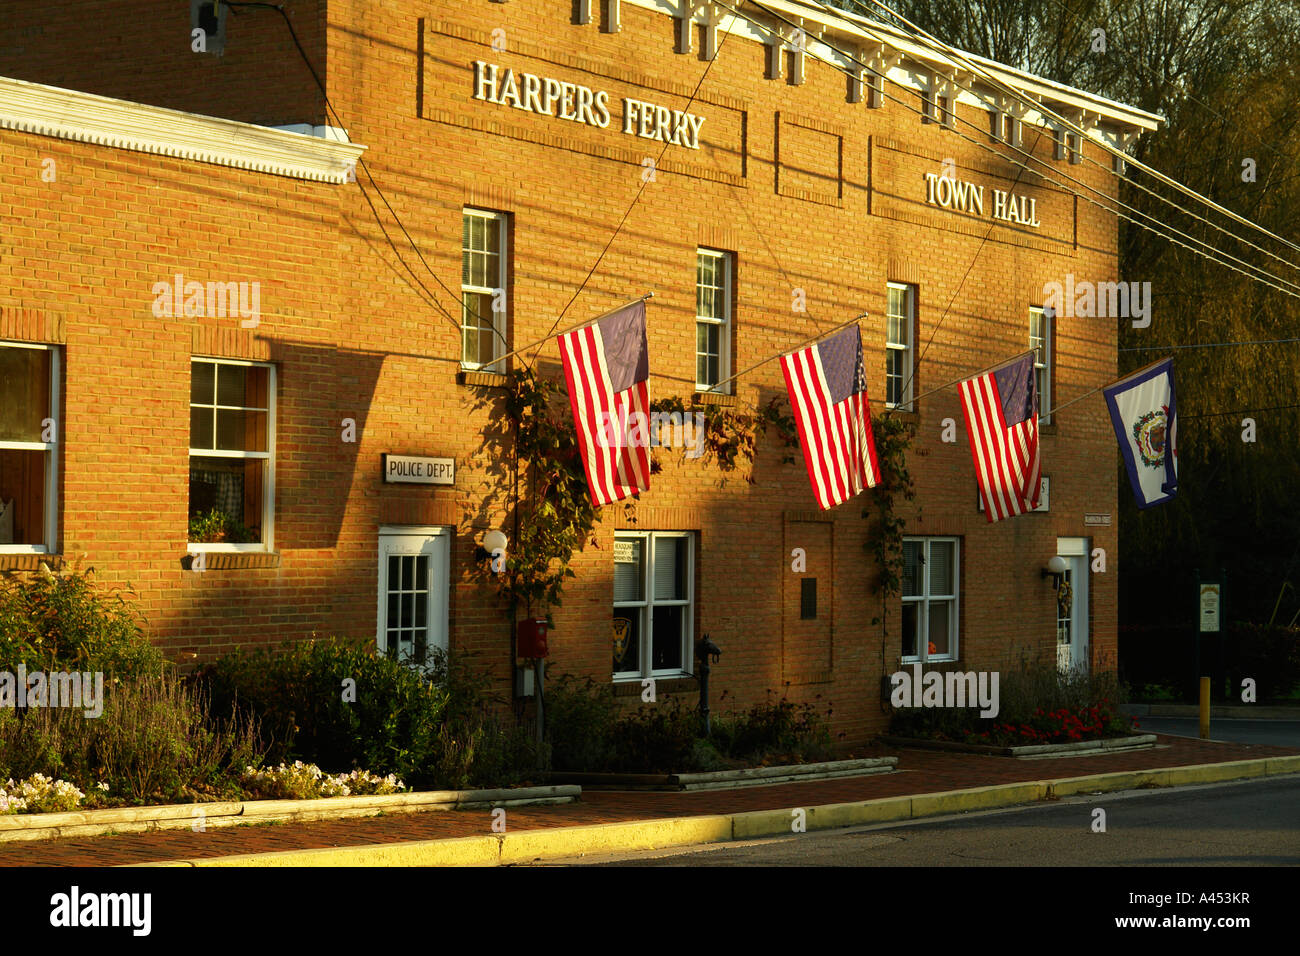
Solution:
(828, 393)
(1001, 408)
(606, 365)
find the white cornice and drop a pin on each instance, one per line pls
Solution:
(830, 26)
(69, 114)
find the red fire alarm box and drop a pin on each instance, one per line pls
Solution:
(532, 638)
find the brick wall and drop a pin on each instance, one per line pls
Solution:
(810, 192)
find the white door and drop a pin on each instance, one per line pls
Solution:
(1072, 637)
(413, 581)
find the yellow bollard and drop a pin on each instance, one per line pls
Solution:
(1205, 708)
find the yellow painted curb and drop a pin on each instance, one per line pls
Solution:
(1282, 765)
(976, 798)
(525, 846)
(566, 842)
(463, 851)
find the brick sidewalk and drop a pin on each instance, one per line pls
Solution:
(919, 772)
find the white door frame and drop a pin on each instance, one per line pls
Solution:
(1076, 553)
(435, 542)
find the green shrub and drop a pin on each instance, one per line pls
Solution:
(782, 730)
(153, 743)
(580, 719)
(657, 738)
(435, 728)
(1037, 703)
(589, 731)
(301, 693)
(64, 621)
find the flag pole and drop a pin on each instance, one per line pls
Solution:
(958, 381)
(583, 323)
(1094, 391)
(819, 335)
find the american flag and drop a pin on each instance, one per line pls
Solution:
(1001, 408)
(828, 393)
(606, 365)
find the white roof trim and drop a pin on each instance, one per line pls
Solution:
(121, 124)
(842, 29)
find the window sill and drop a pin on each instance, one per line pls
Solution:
(483, 379)
(681, 684)
(909, 418)
(715, 398)
(1047, 428)
(233, 560)
(29, 560)
(949, 663)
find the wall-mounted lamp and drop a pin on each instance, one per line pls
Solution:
(494, 540)
(1055, 570)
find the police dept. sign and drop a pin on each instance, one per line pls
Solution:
(420, 471)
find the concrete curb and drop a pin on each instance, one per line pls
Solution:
(1082, 748)
(182, 816)
(1217, 711)
(565, 842)
(729, 779)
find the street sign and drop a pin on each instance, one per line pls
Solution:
(1210, 601)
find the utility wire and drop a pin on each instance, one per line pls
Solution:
(917, 31)
(1209, 345)
(1034, 104)
(1047, 166)
(1083, 155)
(632, 205)
(365, 168)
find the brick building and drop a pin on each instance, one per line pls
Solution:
(213, 325)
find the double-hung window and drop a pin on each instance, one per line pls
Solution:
(483, 290)
(232, 455)
(654, 603)
(930, 587)
(1040, 340)
(899, 320)
(29, 397)
(713, 278)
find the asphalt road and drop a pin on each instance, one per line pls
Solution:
(1255, 822)
(1277, 733)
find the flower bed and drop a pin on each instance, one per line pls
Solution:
(1102, 721)
(297, 781)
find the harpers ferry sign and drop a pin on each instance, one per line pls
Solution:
(581, 104)
(948, 192)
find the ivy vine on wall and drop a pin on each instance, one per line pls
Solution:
(555, 515)
(885, 534)
(730, 437)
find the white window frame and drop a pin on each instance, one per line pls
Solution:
(499, 340)
(645, 607)
(267, 543)
(50, 523)
(438, 615)
(909, 330)
(925, 597)
(723, 321)
(1042, 346)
